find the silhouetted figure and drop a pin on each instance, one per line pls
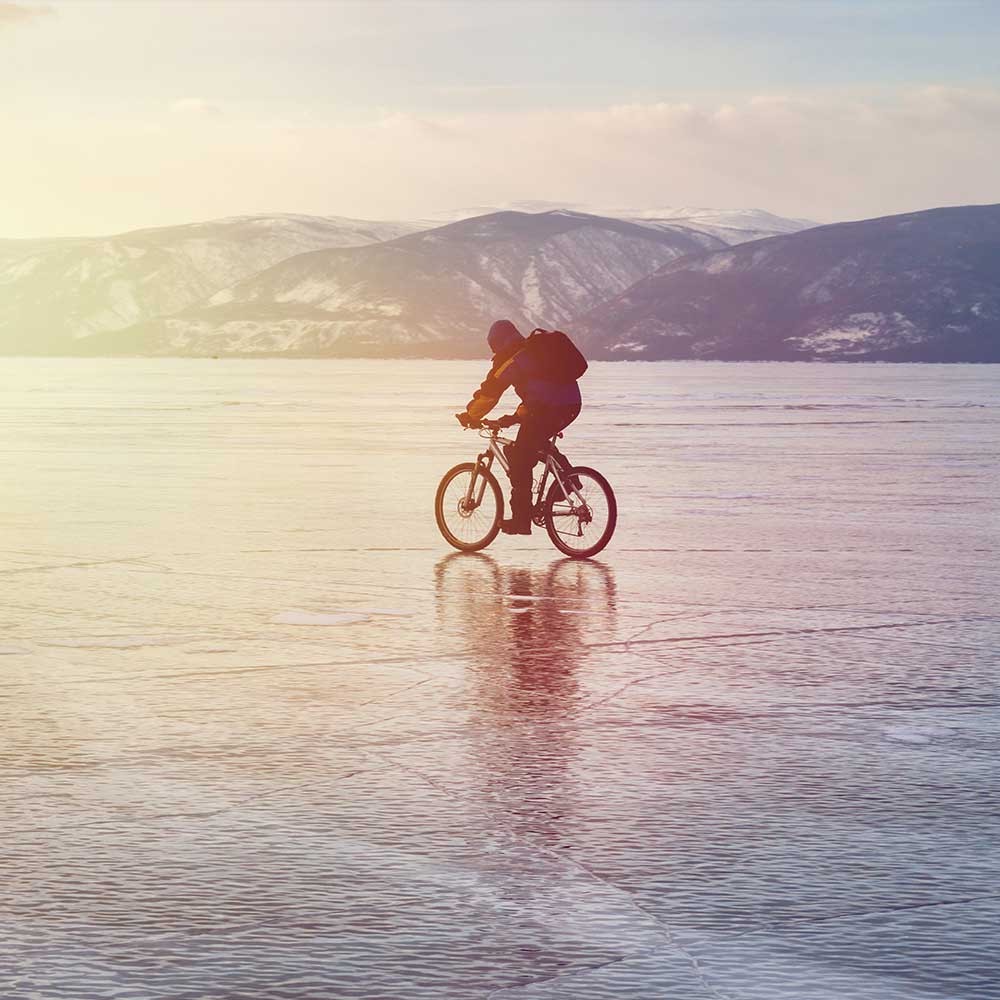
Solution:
(550, 401)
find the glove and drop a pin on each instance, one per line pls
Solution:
(509, 420)
(462, 418)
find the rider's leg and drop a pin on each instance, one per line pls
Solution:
(534, 433)
(523, 455)
(559, 421)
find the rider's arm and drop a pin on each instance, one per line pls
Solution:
(499, 380)
(480, 405)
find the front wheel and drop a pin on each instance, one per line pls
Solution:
(582, 524)
(468, 512)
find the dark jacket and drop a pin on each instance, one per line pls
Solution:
(519, 368)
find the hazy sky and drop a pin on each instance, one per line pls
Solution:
(116, 115)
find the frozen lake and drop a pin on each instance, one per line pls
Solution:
(750, 753)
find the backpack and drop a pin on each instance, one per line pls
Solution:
(557, 355)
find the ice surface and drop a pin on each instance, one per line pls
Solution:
(337, 618)
(749, 753)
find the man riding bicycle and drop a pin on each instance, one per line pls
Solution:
(549, 402)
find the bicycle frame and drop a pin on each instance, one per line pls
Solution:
(494, 452)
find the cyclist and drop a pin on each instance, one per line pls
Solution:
(547, 406)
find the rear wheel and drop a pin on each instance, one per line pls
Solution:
(582, 524)
(468, 524)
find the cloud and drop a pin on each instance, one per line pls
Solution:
(829, 157)
(21, 13)
(826, 157)
(196, 107)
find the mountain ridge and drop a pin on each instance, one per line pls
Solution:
(54, 292)
(732, 226)
(917, 286)
(431, 292)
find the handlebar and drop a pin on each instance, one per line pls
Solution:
(491, 425)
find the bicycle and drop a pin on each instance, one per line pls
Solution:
(579, 511)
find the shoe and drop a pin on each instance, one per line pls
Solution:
(515, 526)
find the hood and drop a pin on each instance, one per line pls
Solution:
(503, 337)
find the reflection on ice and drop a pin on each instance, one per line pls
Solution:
(265, 737)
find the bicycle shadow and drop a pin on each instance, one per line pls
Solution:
(526, 634)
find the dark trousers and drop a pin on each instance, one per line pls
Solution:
(536, 429)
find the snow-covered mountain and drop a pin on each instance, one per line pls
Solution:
(432, 293)
(54, 292)
(918, 287)
(732, 226)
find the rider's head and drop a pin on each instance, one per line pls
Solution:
(504, 338)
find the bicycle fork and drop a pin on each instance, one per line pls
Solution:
(477, 482)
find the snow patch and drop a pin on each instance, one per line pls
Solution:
(21, 269)
(531, 290)
(718, 263)
(307, 292)
(859, 333)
